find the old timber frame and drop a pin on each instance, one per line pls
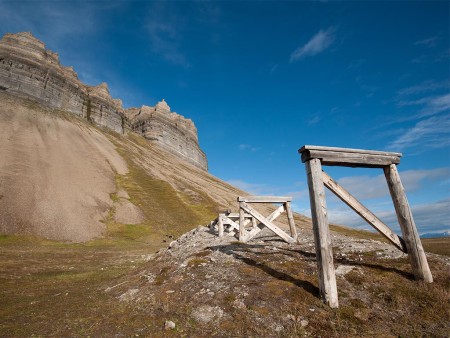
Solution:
(314, 158)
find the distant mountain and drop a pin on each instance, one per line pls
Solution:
(437, 234)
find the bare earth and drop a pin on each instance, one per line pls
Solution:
(56, 176)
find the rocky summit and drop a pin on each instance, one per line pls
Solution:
(28, 69)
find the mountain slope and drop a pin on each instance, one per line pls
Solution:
(63, 178)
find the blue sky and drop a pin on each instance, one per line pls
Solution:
(261, 79)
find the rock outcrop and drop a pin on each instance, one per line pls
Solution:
(28, 69)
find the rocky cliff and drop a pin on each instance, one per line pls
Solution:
(28, 69)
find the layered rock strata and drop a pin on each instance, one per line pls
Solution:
(28, 69)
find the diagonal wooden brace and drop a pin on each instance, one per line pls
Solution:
(244, 206)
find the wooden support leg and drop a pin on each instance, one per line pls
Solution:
(287, 207)
(220, 225)
(414, 247)
(241, 223)
(322, 239)
(254, 225)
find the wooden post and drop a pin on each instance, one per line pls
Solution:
(241, 223)
(414, 247)
(253, 223)
(322, 239)
(287, 207)
(220, 225)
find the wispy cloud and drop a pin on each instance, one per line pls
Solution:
(248, 147)
(314, 120)
(53, 22)
(317, 44)
(165, 34)
(429, 42)
(431, 133)
(368, 187)
(252, 188)
(429, 217)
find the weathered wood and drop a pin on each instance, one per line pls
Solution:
(361, 210)
(220, 225)
(405, 218)
(349, 150)
(242, 231)
(264, 199)
(235, 215)
(322, 239)
(267, 223)
(291, 222)
(254, 223)
(252, 233)
(230, 222)
(332, 156)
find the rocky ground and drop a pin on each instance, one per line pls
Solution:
(210, 286)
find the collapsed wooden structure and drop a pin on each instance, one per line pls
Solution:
(238, 222)
(314, 158)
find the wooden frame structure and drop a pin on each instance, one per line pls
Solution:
(245, 210)
(316, 156)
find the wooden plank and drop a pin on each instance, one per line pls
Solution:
(264, 199)
(220, 225)
(242, 231)
(228, 221)
(291, 222)
(405, 218)
(260, 226)
(267, 223)
(361, 210)
(322, 239)
(235, 215)
(348, 150)
(349, 159)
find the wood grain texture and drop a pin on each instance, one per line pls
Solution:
(405, 218)
(264, 199)
(267, 223)
(290, 216)
(322, 239)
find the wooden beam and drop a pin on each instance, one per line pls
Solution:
(228, 221)
(361, 210)
(264, 199)
(260, 226)
(291, 222)
(349, 150)
(346, 157)
(242, 231)
(405, 218)
(322, 239)
(220, 225)
(267, 223)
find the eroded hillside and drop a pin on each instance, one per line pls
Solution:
(65, 179)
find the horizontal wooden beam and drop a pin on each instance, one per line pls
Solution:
(347, 157)
(361, 210)
(264, 199)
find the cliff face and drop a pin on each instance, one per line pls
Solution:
(28, 69)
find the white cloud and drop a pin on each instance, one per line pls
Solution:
(367, 187)
(252, 188)
(432, 105)
(54, 22)
(248, 147)
(424, 87)
(430, 133)
(317, 44)
(429, 217)
(165, 34)
(430, 42)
